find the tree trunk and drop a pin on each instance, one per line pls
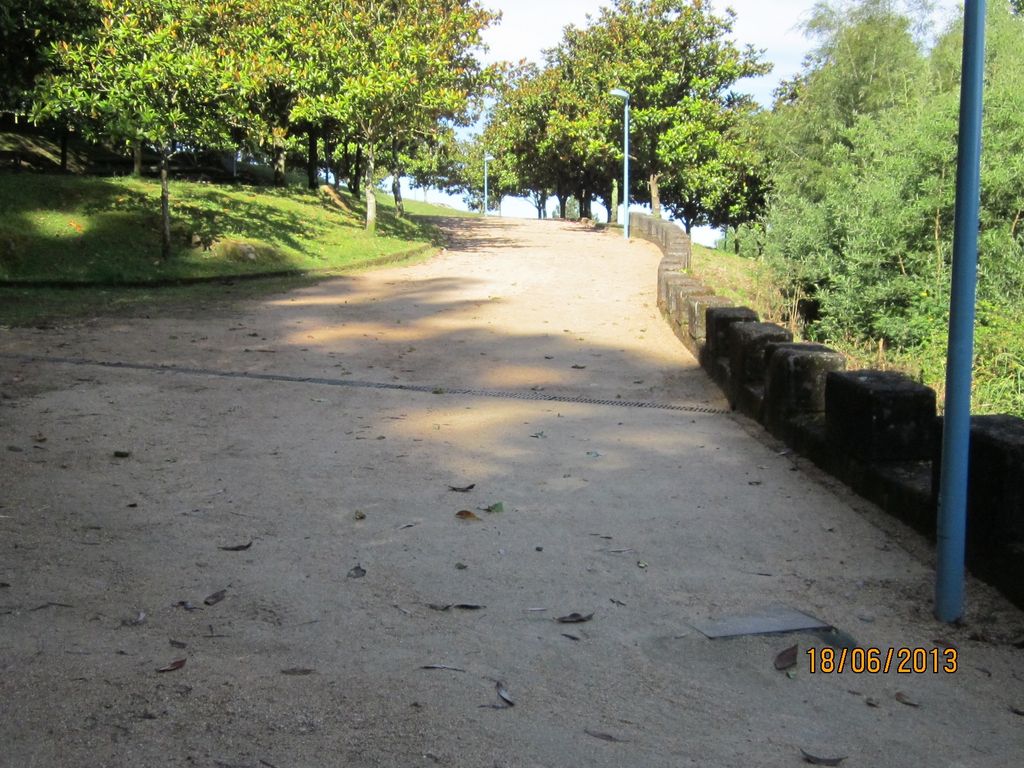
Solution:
(613, 209)
(587, 205)
(165, 206)
(137, 158)
(396, 190)
(312, 161)
(279, 161)
(655, 197)
(371, 195)
(64, 149)
(562, 200)
(355, 178)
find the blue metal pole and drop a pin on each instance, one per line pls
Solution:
(952, 521)
(625, 167)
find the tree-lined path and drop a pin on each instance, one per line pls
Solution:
(328, 426)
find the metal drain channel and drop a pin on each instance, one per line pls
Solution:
(437, 390)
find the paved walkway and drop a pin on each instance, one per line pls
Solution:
(326, 427)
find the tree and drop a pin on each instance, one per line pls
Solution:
(395, 70)
(145, 75)
(678, 63)
(28, 29)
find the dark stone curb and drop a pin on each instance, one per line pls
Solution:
(877, 431)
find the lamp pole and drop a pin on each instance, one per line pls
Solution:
(486, 159)
(956, 430)
(624, 95)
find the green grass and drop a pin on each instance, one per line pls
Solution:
(103, 233)
(106, 230)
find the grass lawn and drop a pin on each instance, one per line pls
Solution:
(742, 280)
(104, 232)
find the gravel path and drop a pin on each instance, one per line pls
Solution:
(327, 426)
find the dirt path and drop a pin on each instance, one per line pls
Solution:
(325, 426)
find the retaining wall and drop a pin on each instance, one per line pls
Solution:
(878, 431)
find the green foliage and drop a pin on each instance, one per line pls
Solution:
(561, 131)
(862, 148)
(28, 29)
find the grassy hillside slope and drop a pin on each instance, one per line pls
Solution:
(106, 230)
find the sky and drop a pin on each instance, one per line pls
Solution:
(528, 27)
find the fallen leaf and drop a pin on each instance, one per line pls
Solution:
(571, 637)
(617, 551)
(178, 644)
(574, 618)
(236, 547)
(1017, 711)
(407, 525)
(815, 760)
(579, 367)
(641, 564)
(357, 572)
(593, 455)
(616, 602)
(461, 566)
(174, 665)
(298, 671)
(442, 666)
(603, 736)
(462, 488)
(138, 621)
(786, 659)
(495, 508)
(359, 515)
(503, 694)
(539, 434)
(902, 698)
(465, 514)
(216, 597)
(871, 702)
(468, 607)
(187, 605)
(122, 454)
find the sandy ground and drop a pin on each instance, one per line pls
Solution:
(650, 518)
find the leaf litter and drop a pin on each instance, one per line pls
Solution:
(213, 599)
(816, 760)
(173, 666)
(604, 736)
(465, 514)
(786, 659)
(236, 547)
(462, 488)
(357, 572)
(574, 618)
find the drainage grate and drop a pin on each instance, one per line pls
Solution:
(437, 390)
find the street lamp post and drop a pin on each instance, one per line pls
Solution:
(486, 159)
(624, 95)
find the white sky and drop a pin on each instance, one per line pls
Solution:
(528, 27)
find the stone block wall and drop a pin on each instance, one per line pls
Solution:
(877, 431)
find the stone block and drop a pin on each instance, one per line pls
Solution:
(717, 322)
(665, 284)
(678, 293)
(696, 311)
(879, 415)
(795, 382)
(747, 343)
